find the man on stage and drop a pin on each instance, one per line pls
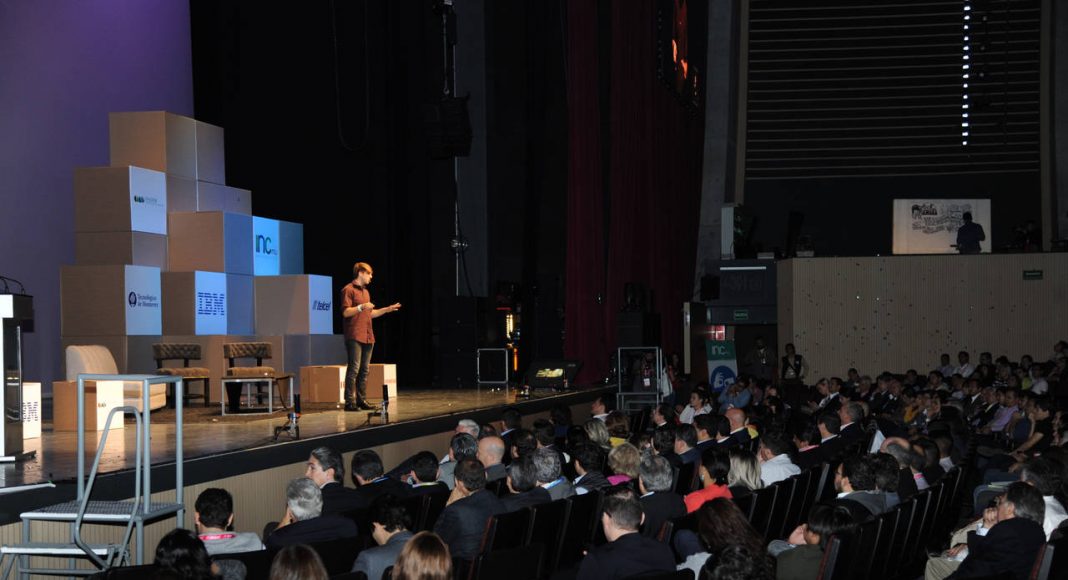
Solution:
(357, 310)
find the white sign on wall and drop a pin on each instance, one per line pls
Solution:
(148, 201)
(929, 226)
(142, 293)
(266, 247)
(210, 302)
(320, 305)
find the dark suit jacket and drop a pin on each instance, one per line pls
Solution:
(436, 487)
(338, 499)
(462, 524)
(370, 491)
(629, 555)
(320, 529)
(689, 456)
(593, 480)
(660, 507)
(800, 563)
(742, 438)
(538, 495)
(496, 472)
(672, 457)
(906, 484)
(1010, 546)
(832, 448)
(702, 446)
(809, 459)
(374, 561)
(851, 434)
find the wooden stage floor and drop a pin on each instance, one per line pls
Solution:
(206, 433)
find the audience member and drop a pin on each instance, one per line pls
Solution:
(810, 540)
(524, 442)
(599, 408)
(831, 446)
(705, 427)
(662, 415)
(181, 552)
(390, 525)
(715, 465)
(424, 475)
(547, 472)
(739, 432)
(744, 475)
(659, 501)
(623, 462)
(491, 454)
(721, 526)
(627, 552)
(598, 433)
(807, 440)
(463, 520)
(686, 443)
(326, 468)
(523, 486)
(588, 459)
(461, 446)
(304, 522)
(618, 426)
(775, 463)
(424, 557)
(698, 406)
(213, 515)
(298, 562)
(369, 477)
(854, 480)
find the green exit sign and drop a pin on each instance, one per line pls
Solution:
(741, 314)
(1032, 274)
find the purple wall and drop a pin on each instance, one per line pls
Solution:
(64, 65)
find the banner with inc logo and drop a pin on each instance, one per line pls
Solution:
(143, 290)
(722, 364)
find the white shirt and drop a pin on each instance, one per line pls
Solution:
(777, 468)
(600, 416)
(687, 414)
(946, 463)
(965, 370)
(1040, 387)
(826, 439)
(1055, 514)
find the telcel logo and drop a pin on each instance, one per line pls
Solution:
(264, 245)
(320, 305)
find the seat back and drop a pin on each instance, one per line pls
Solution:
(781, 508)
(183, 351)
(256, 350)
(830, 559)
(585, 515)
(862, 551)
(884, 541)
(435, 505)
(257, 564)
(684, 480)
(508, 530)
(416, 507)
(89, 359)
(520, 563)
(337, 555)
(1043, 563)
(548, 528)
(497, 487)
(760, 512)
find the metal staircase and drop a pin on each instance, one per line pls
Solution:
(134, 513)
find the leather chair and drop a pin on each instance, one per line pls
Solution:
(97, 359)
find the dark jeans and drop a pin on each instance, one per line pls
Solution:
(356, 374)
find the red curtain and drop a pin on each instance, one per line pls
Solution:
(655, 146)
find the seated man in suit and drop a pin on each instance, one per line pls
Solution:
(807, 440)
(851, 415)
(627, 552)
(424, 475)
(775, 462)
(723, 437)
(304, 522)
(547, 471)
(739, 432)
(326, 468)
(854, 480)
(389, 527)
(799, 557)
(664, 444)
(830, 444)
(659, 501)
(491, 454)
(1013, 535)
(686, 444)
(463, 521)
(587, 458)
(706, 431)
(369, 477)
(523, 486)
(461, 446)
(213, 515)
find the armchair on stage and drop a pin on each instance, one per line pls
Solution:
(97, 360)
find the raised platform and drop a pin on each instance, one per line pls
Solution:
(220, 447)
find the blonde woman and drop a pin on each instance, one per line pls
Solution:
(623, 460)
(598, 433)
(744, 475)
(424, 557)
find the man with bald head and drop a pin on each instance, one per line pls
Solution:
(491, 454)
(736, 417)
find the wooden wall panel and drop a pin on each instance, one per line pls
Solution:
(900, 312)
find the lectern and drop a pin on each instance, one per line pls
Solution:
(16, 315)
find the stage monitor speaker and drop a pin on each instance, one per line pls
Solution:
(552, 374)
(638, 329)
(448, 128)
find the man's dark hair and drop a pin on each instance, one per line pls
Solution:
(860, 472)
(664, 439)
(830, 421)
(608, 402)
(471, 473)
(777, 444)
(329, 458)
(718, 463)
(546, 465)
(930, 450)
(589, 455)
(807, 432)
(215, 506)
(829, 520)
(524, 442)
(463, 445)
(425, 466)
(512, 418)
(1042, 403)
(706, 422)
(886, 470)
(667, 411)
(390, 513)
(1041, 472)
(737, 561)
(544, 431)
(367, 464)
(687, 434)
(723, 426)
(1027, 501)
(855, 411)
(622, 505)
(521, 472)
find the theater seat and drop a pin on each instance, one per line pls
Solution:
(97, 360)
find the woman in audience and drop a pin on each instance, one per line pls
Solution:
(715, 465)
(424, 557)
(744, 474)
(810, 540)
(182, 552)
(720, 525)
(598, 433)
(699, 405)
(618, 426)
(298, 562)
(624, 460)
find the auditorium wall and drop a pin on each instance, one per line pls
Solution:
(901, 312)
(65, 65)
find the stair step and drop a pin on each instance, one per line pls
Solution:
(100, 511)
(48, 549)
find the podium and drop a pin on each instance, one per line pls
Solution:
(16, 313)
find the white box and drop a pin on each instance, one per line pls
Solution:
(120, 248)
(194, 303)
(120, 199)
(215, 197)
(294, 305)
(277, 247)
(110, 300)
(154, 140)
(209, 241)
(211, 154)
(31, 410)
